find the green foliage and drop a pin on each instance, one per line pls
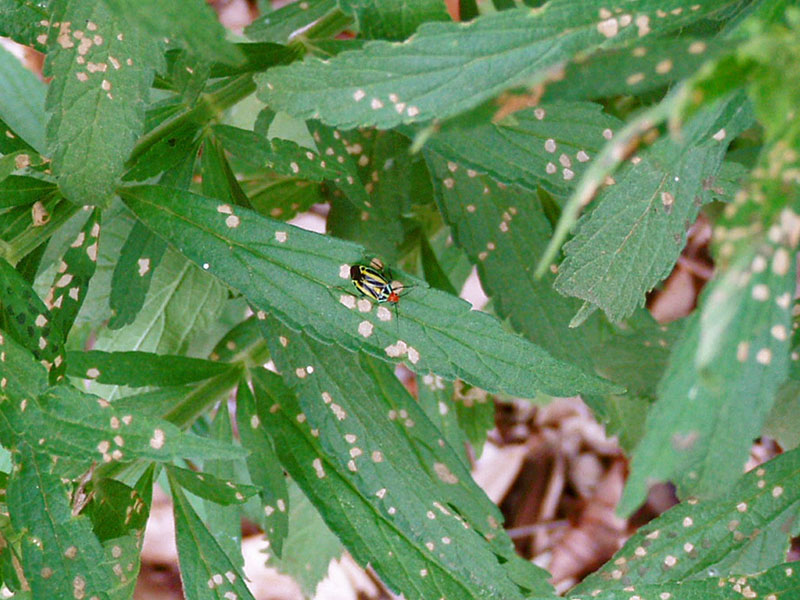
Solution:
(148, 273)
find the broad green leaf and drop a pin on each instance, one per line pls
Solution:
(60, 554)
(265, 470)
(777, 582)
(25, 21)
(547, 146)
(503, 230)
(210, 487)
(68, 423)
(17, 190)
(393, 19)
(721, 380)
(633, 237)
(279, 25)
(133, 273)
(181, 304)
(407, 531)
(22, 100)
(27, 317)
(634, 70)
(449, 68)
(138, 369)
(102, 69)
(122, 560)
(310, 288)
(10, 141)
(695, 538)
(21, 375)
(206, 571)
(192, 23)
(307, 530)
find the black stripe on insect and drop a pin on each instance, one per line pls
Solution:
(374, 281)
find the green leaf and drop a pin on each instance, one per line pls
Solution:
(633, 237)
(101, 78)
(117, 509)
(384, 185)
(696, 538)
(265, 470)
(651, 65)
(210, 487)
(378, 489)
(282, 197)
(24, 21)
(71, 282)
(306, 530)
(206, 571)
(22, 100)
(279, 25)
(721, 381)
(393, 19)
(776, 582)
(68, 423)
(503, 230)
(546, 146)
(284, 156)
(138, 369)
(448, 68)
(168, 152)
(21, 375)
(20, 190)
(181, 304)
(311, 289)
(60, 554)
(192, 23)
(219, 180)
(133, 273)
(780, 424)
(226, 521)
(27, 317)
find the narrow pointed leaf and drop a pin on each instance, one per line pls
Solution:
(699, 537)
(138, 369)
(28, 319)
(279, 25)
(75, 270)
(309, 288)
(382, 522)
(60, 553)
(210, 487)
(102, 68)
(630, 242)
(265, 470)
(206, 571)
(549, 146)
(716, 394)
(18, 190)
(503, 230)
(393, 19)
(66, 422)
(448, 68)
(133, 272)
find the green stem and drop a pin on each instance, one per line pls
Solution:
(210, 106)
(328, 26)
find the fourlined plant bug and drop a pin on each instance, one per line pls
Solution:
(374, 281)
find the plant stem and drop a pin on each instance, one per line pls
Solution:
(210, 106)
